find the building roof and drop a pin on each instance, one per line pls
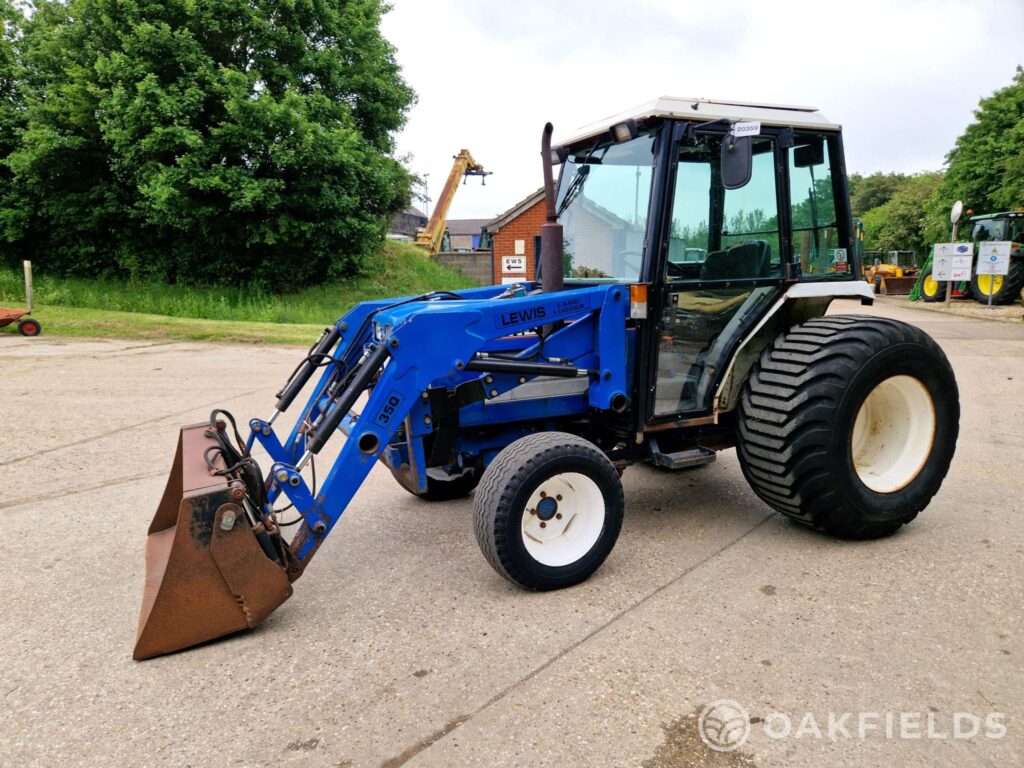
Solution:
(519, 208)
(406, 222)
(711, 109)
(465, 226)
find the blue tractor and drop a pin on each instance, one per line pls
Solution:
(691, 251)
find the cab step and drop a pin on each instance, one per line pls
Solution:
(686, 459)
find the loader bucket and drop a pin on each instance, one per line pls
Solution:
(897, 286)
(206, 574)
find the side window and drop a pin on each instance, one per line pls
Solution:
(1017, 231)
(816, 243)
(720, 234)
(690, 233)
(750, 220)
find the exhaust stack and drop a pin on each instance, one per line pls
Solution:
(551, 243)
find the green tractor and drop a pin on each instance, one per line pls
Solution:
(1004, 289)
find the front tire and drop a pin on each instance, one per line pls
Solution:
(548, 510)
(849, 424)
(931, 289)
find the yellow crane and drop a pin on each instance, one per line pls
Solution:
(430, 236)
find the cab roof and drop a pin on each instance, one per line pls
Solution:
(1003, 215)
(707, 110)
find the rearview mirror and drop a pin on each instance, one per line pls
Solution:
(737, 161)
(809, 155)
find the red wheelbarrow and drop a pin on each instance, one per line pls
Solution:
(27, 326)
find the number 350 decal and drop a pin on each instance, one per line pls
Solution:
(391, 406)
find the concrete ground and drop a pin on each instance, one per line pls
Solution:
(402, 647)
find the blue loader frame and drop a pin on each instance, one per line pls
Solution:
(410, 354)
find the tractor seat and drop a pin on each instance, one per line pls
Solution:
(745, 260)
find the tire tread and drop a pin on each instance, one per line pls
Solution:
(786, 413)
(503, 479)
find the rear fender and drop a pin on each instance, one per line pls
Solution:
(800, 302)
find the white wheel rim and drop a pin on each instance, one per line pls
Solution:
(563, 519)
(893, 434)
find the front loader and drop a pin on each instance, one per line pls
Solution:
(691, 251)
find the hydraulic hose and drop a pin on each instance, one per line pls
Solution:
(344, 402)
(309, 365)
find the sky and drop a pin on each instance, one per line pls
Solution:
(903, 77)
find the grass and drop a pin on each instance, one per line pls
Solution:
(103, 323)
(83, 307)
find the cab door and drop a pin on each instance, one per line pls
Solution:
(723, 265)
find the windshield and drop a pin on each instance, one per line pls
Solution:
(603, 194)
(989, 229)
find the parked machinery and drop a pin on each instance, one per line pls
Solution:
(431, 236)
(893, 273)
(695, 328)
(1005, 289)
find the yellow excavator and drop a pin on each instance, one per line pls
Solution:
(432, 235)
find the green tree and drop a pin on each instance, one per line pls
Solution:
(902, 223)
(986, 166)
(12, 109)
(218, 141)
(1011, 194)
(813, 210)
(11, 74)
(867, 192)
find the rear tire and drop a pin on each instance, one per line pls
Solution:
(442, 486)
(1007, 287)
(29, 327)
(848, 424)
(548, 510)
(932, 289)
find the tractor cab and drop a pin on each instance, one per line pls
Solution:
(998, 226)
(716, 208)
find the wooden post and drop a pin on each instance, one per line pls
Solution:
(28, 285)
(949, 285)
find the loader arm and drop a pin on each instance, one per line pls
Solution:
(429, 345)
(219, 558)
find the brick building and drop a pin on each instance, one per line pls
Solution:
(597, 242)
(516, 239)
